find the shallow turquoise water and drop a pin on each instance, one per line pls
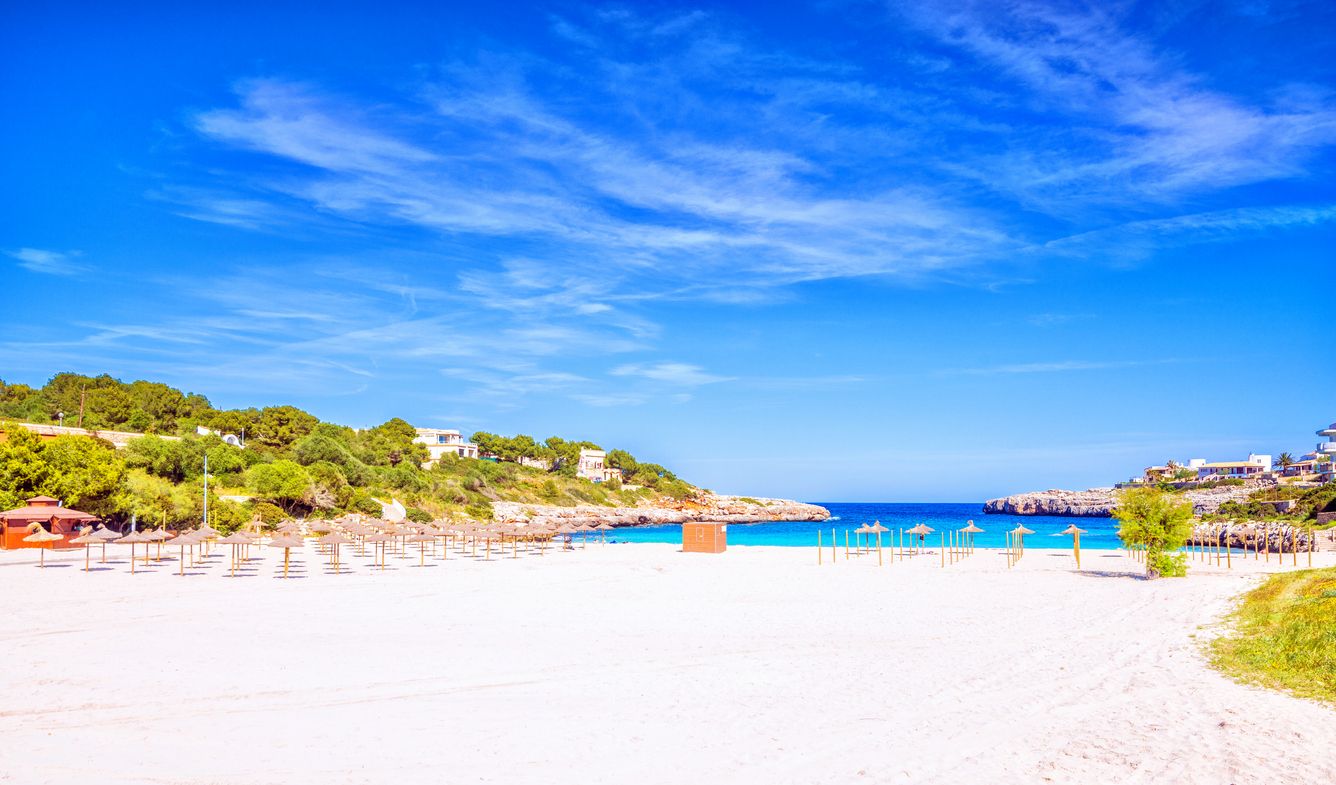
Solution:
(1100, 532)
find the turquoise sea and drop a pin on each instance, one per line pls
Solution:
(1100, 532)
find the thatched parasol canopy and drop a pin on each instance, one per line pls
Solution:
(104, 534)
(1071, 529)
(43, 536)
(970, 528)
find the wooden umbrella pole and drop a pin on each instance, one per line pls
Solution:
(1076, 549)
(846, 545)
(879, 564)
(943, 549)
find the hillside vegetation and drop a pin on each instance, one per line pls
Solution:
(293, 463)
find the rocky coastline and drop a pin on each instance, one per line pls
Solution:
(730, 509)
(1099, 502)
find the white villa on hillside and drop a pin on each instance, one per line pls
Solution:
(228, 438)
(1327, 469)
(593, 467)
(1255, 466)
(443, 441)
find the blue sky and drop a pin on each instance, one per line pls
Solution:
(835, 251)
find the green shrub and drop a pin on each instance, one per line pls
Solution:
(270, 514)
(1158, 521)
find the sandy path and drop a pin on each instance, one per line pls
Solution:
(635, 663)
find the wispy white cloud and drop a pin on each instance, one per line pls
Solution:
(1143, 127)
(683, 374)
(1139, 239)
(39, 260)
(1060, 366)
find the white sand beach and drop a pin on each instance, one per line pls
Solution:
(637, 663)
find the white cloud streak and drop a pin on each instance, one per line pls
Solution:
(38, 260)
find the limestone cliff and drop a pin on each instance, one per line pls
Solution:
(711, 507)
(1099, 502)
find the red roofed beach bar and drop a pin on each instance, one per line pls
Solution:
(47, 512)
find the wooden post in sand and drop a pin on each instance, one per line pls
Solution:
(902, 544)
(846, 545)
(879, 564)
(943, 549)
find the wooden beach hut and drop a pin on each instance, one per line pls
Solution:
(46, 512)
(704, 537)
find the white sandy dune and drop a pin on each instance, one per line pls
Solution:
(637, 664)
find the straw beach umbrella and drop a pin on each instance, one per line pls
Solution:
(185, 540)
(105, 535)
(1076, 542)
(877, 529)
(39, 536)
(859, 534)
(922, 530)
(87, 538)
(287, 544)
(971, 530)
(421, 539)
(333, 540)
(132, 539)
(159, 536)
(1018, 541)
(378, 541)
(236, 539)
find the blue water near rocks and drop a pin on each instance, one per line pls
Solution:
(1101, 533)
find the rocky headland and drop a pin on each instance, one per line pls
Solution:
(1099, 502)
(731, 509)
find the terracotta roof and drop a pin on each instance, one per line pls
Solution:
(41, 513)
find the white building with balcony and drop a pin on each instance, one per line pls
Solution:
(1254, 467)
(593, 467)
(443, 441)
(1327, 469)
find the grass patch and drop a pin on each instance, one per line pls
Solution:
(1284, 635)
